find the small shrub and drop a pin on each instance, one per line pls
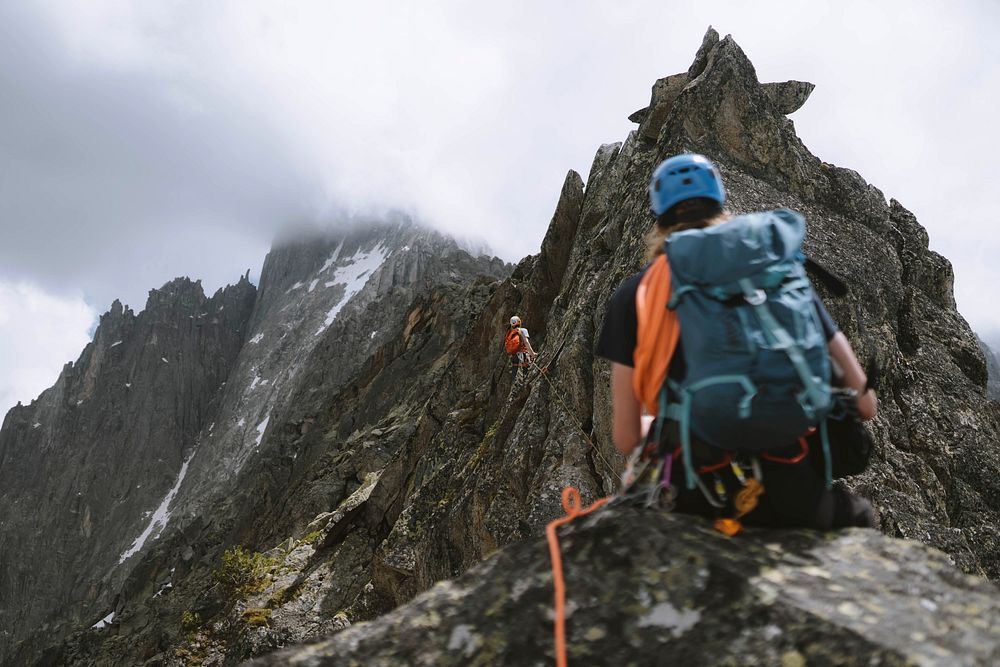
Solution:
(243, 572)
(257, 616)
(190, 621)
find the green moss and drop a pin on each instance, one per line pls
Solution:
(311, 537)
(497, 605)
(484, 445)
(243, 572)
(257, 616)
(493, 649)
(278, 598)
(190, 621)
(491, 431)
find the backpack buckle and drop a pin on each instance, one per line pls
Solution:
(757, 298)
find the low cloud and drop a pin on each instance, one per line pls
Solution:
(141, 141)
(39, 333)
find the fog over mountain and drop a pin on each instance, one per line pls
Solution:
(143, 141)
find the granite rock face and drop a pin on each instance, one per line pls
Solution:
(84, 467)
(368, 457)
(201, 423)
(489, 471)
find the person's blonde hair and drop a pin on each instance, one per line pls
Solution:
(657, 235)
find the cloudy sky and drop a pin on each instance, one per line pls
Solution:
(141, 141)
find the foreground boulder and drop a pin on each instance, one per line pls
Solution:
(644, 587)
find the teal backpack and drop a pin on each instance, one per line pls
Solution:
(758, 369)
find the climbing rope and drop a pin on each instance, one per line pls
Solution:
(572, 506)
(572, 416)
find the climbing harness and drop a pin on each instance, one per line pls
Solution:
(647, 480)
(572, 505)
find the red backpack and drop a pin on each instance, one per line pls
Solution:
(512, 343)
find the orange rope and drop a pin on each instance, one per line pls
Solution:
(572, 505)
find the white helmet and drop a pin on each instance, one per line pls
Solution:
(515, 321)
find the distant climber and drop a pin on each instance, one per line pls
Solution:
(723, 339)
(517, 344)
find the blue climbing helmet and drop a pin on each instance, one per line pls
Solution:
(681, 177)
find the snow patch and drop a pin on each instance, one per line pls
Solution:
(36, 425)
(256, 381)
(161, 516)
(333, 258)
(256, 339)
(312, 285)
(241, 422)
(128, 384)
(166, 587)
(164, 360)
(80, 402)
(104, 622)
(372, 335)
(116, 343)
(261, 427)
(353, 277)
(296, 286)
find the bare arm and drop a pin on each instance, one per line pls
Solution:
(853, 375)
(626, 429)
(527, 346)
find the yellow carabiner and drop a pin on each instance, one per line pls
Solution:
(738, 471)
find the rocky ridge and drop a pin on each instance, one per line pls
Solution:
(485, 473)
(501, 470)
(368, 489)
(85, 466)
(191, 394)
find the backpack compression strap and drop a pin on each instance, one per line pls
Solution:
(657, 332)
(812, 398)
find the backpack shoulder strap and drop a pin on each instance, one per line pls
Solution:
(657, 333)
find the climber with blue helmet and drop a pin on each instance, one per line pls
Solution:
(686, 189)
(722, 339)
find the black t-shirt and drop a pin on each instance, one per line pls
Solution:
(617, 341)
